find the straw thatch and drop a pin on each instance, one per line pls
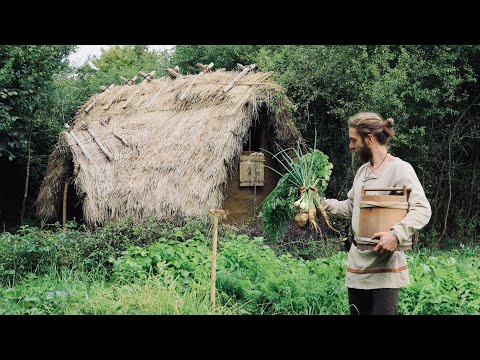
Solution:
(161, 156)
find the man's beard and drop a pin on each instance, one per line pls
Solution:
(364, 154)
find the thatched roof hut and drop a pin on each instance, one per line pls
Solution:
(167, 148)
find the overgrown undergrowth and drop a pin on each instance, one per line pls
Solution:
(159, 268)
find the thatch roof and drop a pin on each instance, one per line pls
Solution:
(171, 160)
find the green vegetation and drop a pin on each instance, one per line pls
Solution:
(312, 168)
(165, 269)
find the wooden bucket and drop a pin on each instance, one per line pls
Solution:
(380, 212)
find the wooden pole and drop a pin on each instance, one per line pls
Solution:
(102, 147)
(205, 68)
(160, 90)
(94, 101)
(238, 77)
(80, 145)
(214, 263)
(148, 78)
(114, 134)
(69, 138)
(112, 99)
(182, 97)
(92, 104)
(65, 193)
(216, 214)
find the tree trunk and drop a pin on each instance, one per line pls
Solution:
(472, 195)
(25, 193)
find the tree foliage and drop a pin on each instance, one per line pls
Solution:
(430, 91)
(26, 102)
(223, 56)
(75, 86)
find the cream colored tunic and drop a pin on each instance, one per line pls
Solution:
(367, 269)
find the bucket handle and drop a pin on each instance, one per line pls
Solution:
(404, 189)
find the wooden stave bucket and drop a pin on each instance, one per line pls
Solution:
(377, 219)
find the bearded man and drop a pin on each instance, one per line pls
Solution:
(376, 272)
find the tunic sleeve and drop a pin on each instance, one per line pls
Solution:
(419, 210)
(341, 209)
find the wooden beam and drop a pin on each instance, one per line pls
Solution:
(107, 88)
(92, 104)
(129, 81)
(204, 70)
(113, 133)
(130, 98)
(173, 73)
(148, 78)
(238, 77)
(80, 145)
(155, 96)
(70, 140)
(106, 107)
(182, 97)
(101, 146)
(94, 101)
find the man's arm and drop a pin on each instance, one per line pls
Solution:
(419, 210)
(342, 209)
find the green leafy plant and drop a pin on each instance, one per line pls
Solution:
(309, 171)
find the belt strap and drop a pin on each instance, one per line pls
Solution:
(372, 246)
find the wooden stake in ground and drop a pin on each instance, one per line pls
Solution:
(216, 215)
(65, 193)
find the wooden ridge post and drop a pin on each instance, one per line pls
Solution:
(102, 147)
(94, 101)
(173, 73)
(160, 90)
(80, 145)
(245, 70)
(92, 104)
(205, 69)
(217, 213)
(147, 78)
(126, 82)
(113, 133)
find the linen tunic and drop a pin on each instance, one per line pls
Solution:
(367, 269)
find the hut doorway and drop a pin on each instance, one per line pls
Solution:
(74, 205)
(243, 202)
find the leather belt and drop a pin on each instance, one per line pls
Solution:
(372, 246)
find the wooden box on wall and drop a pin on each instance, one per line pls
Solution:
(252, 170)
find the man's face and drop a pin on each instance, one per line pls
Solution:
(358, 145)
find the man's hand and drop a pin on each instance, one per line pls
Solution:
(387, 242)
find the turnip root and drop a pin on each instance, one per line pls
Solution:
(301, 219)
